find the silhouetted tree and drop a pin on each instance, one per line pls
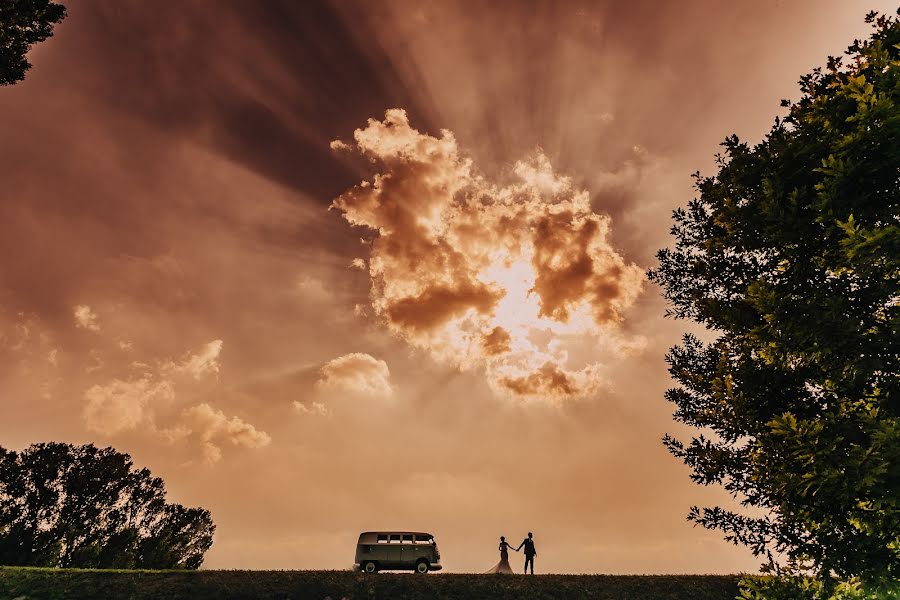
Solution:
(791, 256)
(82, 506)
(23, 23)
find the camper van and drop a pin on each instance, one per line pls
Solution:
(397, 551)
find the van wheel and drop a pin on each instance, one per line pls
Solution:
(422, 566)
(370, 567)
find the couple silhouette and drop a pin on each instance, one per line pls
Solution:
(530, 553)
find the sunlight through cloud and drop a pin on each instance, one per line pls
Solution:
(490, 276)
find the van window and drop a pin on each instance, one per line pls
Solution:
(382, 539)
(407, 538)
(423, 539)
(395, 538)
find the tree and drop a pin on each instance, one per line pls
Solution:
(791, 257)
(23, 23)
(82, 506)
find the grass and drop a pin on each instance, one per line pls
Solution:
(24, 583)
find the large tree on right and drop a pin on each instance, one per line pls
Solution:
(790, 256)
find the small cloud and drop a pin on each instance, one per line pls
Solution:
(552, 382)
(339, 145)
(214, 428)
(358, 263)
(315, 409)
(86, 318)
(356, 373)
(549, 380)
(202, 363)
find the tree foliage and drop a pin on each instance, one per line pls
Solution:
(23, 23)
(82, 506)
(789, 586)
(791, 256)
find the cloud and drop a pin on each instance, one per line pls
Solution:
(500, 277)
(124, 405)
(30, 357)
(86, 318)
(356, 373)
(549, 379)
(498, 341)
(316, 409)
(214, 428)
(150, 403)
(201, 363)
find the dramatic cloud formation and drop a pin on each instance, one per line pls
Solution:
(356, 373)
(487, 275)
(171, 170)
(86, 318)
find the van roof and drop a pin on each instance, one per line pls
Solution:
(395, 532)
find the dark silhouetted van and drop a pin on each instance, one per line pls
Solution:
(397, 551)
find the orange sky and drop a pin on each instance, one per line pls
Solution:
(464, 344)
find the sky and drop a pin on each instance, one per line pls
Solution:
(338, 267)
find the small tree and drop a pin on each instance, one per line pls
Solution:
(791, 254)
(23, 23)
(81, 506)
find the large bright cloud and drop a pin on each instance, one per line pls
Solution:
(502, 277)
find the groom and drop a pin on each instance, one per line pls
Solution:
(530, 552)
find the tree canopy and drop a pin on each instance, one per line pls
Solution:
(791, 257)
(22, 24)
(82, 506)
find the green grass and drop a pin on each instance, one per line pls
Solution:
(39, 584)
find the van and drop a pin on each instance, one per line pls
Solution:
(397, 551)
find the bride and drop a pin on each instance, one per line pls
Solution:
(503, 565)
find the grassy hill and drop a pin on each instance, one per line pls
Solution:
(39, 584)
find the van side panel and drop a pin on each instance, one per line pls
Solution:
(412, 553)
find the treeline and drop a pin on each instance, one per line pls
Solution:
(81, 506)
